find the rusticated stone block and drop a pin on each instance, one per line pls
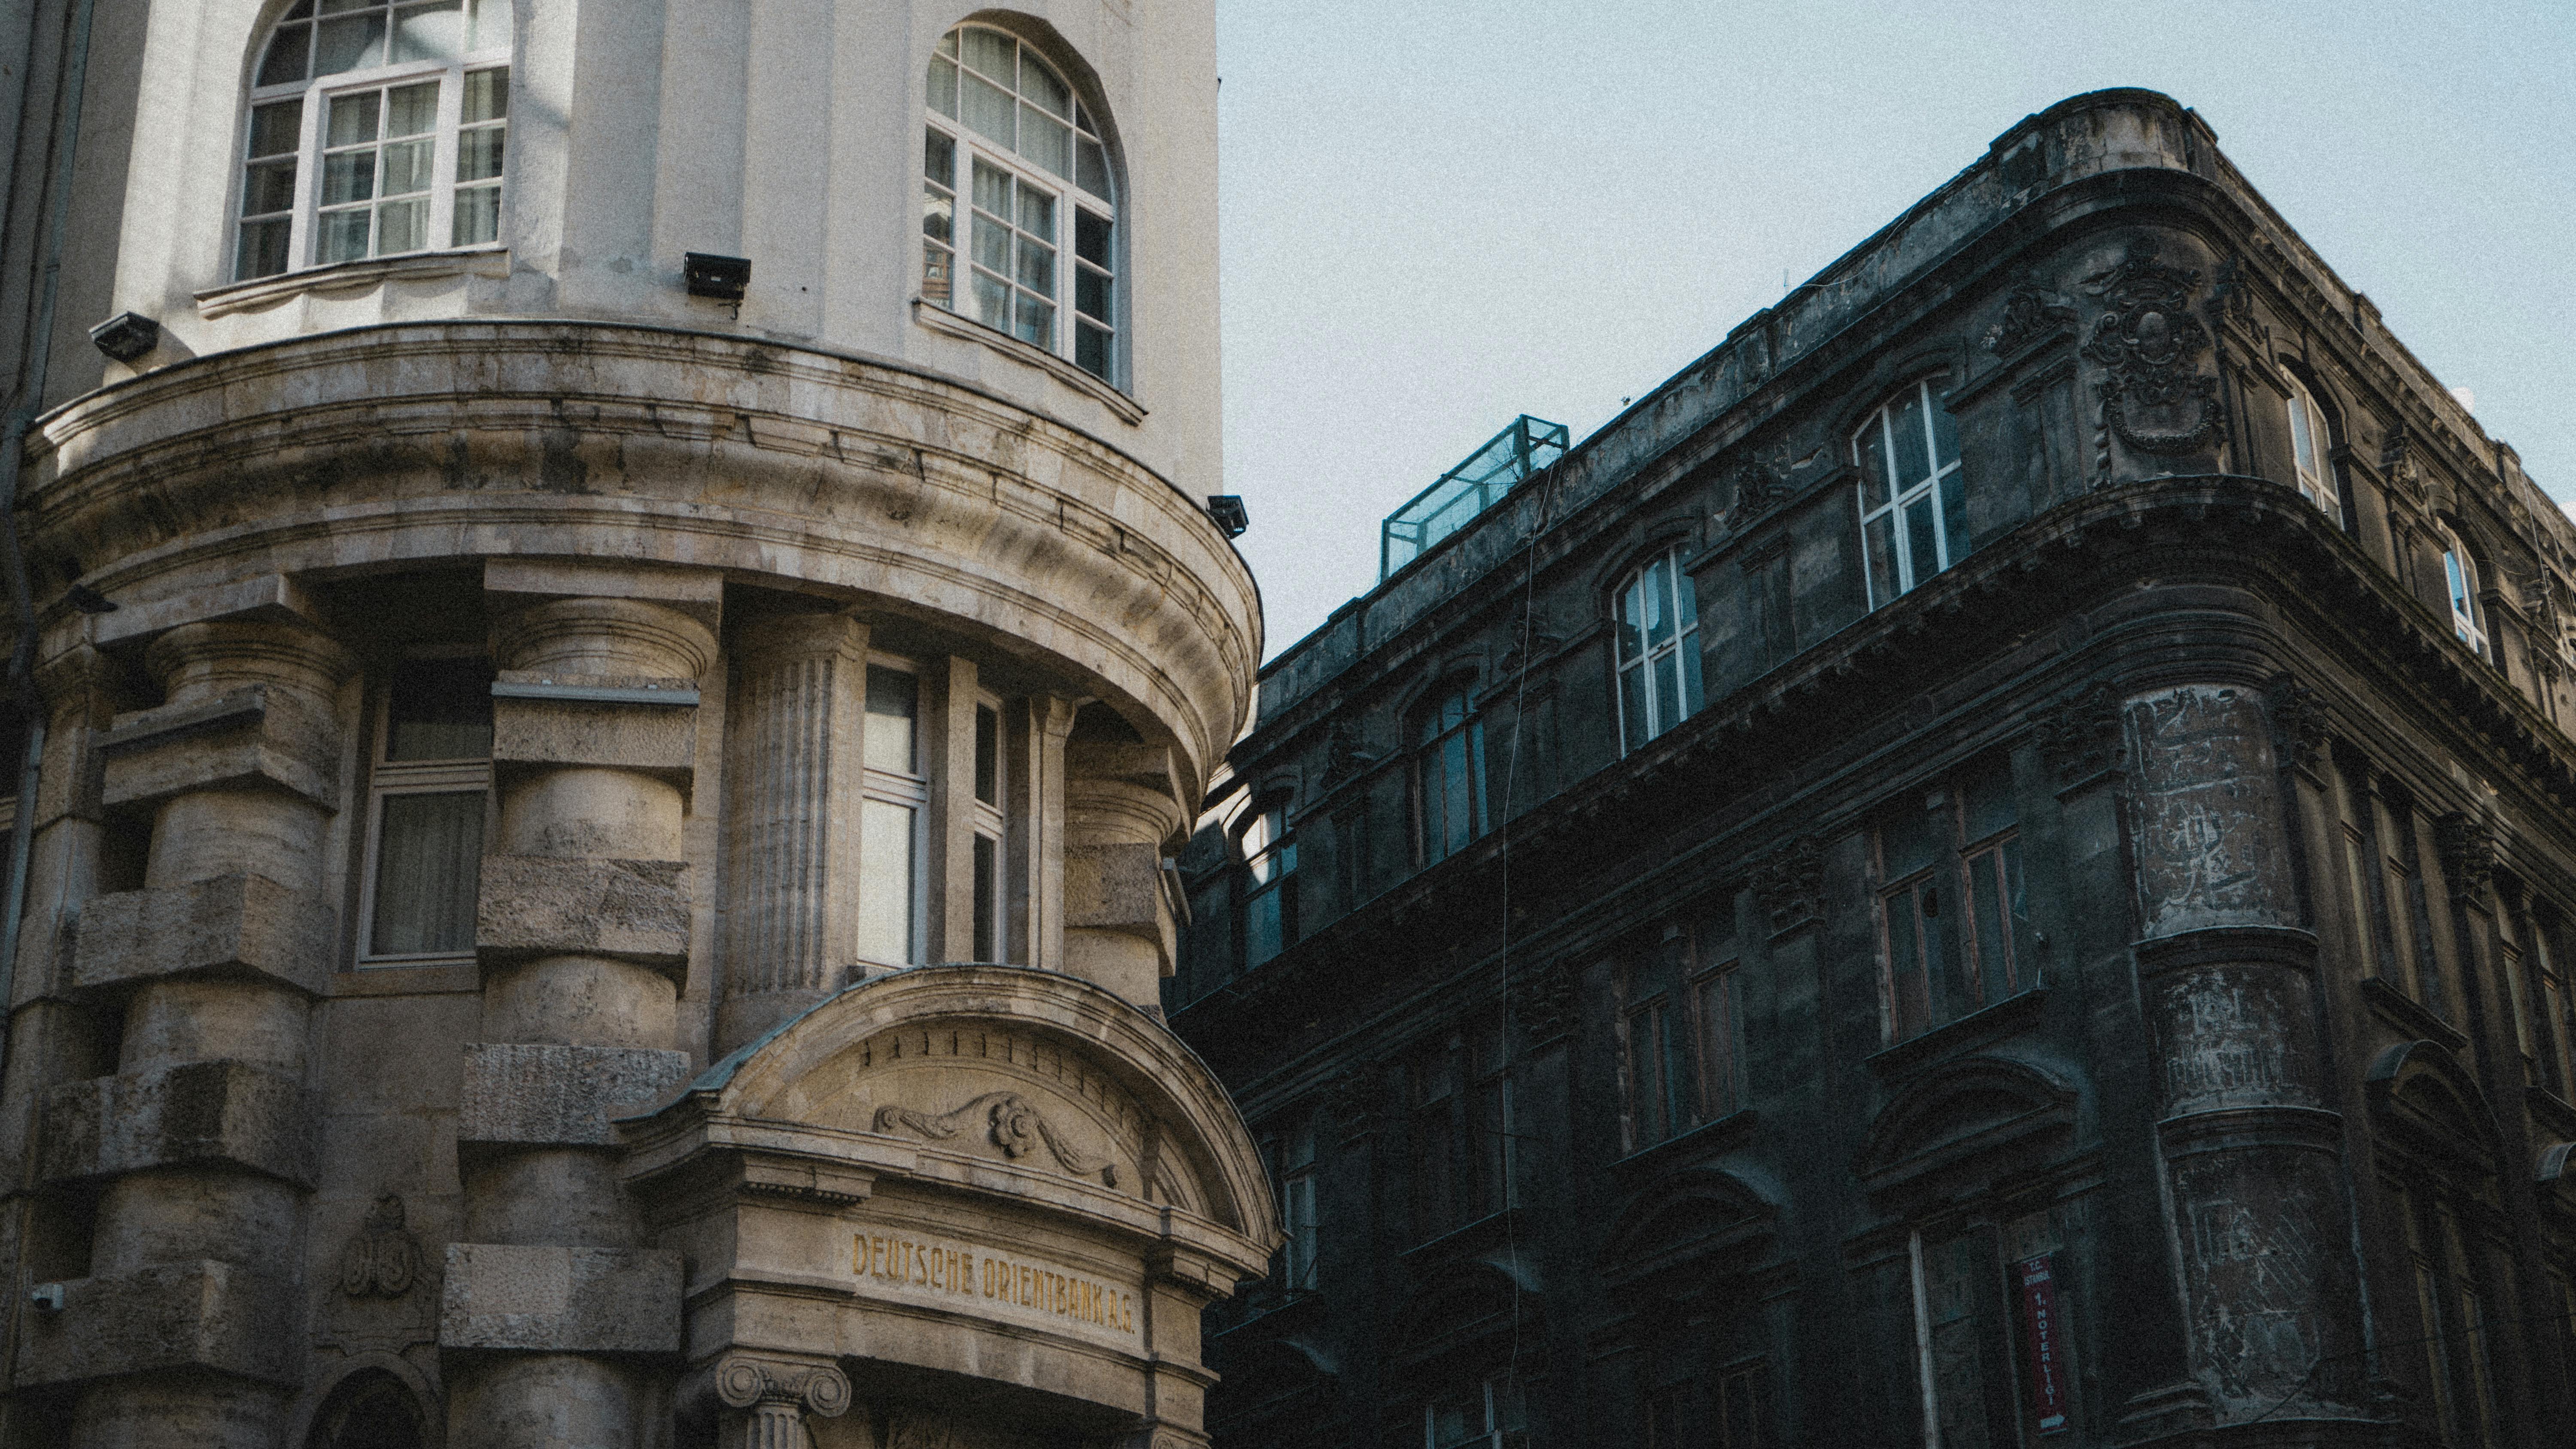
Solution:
(195, 1112)
(629, 910)
(627, 734)
(528, 1094)
(178, 1315)
(234, 925)
(1114, 886)
(560, 1300)
(253, 738)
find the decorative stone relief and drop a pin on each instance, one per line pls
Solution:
(382, 1270)
(2080, 734)
(1012, 1122)
(1343, 757)
(2155, 399)
(1542, 1001)
(1790, 883)
(2030, 312)
(2299, 727)
(2468, 851)
(2231, 302)
(1764, 480)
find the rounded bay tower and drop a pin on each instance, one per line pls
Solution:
(618, 628)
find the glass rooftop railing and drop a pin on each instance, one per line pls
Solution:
(1504, 463)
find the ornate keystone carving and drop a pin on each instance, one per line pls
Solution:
(2155, 399)
(2468, 854)
(2081, 734)
(771, 1399)
(1791, 883)
(2299, 727)
(1542, 1001)
(383, 1259)
(2031, 311)
(1764, 480)
(1013, 1123)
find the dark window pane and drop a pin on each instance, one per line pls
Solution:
(1091, 238)
(987, 871)
(263, 250)
(288, 49)
(442, 710)
(1091, 292)
(429, 853)
(938, 156)
(269, 188)
(1091, 350)
(273, 128)
(1091, 167)
(988, 750)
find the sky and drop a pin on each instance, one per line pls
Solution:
(1436, 216)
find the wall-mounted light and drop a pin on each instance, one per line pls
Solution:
(126, 336)
(722, 278)
(1227, 510)
(47, 1296)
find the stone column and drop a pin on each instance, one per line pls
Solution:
(791, 819)
(2253, 1156)
(553, 1309)
(203, 1134)
(1119, 809)
(766, 1401)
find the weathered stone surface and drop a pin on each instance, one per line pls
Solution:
(634, 910)
(256, 737)
(560, 1300)
(1114, 886)
(528, 1094)
(180, 1315)
(235, 925)
(635, 736)
(192, 1113)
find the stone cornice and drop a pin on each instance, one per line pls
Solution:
(417, 444)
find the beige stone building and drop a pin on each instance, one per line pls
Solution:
(618, 625)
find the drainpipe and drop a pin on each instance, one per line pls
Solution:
(13, 556)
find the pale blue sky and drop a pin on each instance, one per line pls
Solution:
(1439, 215)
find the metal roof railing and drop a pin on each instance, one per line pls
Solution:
(1506, 461)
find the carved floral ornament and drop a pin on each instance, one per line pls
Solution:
(1011, 1122)
(2155, 397)
(383, 1258)
(2030, 311)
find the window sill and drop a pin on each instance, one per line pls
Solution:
(263, 292)
(1986, 1024)
(940, 319)
(2410, 1016)
(1708, 1136)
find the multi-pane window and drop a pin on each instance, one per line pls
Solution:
(1913, 496)
(1657, 642)
(1269, 886)
(1954, 922)
(2450, 1293)
(2539, 998)
(2556, 1006)
(1448, 778)
(429, 791)
(1681, 1031)
(374, 130)
(892, 814)
(1014, 172)
(1483, 1415)
(1458, 1087)
(2309, 445)
(2460, 584)
(1963, 1342)
(1291, 1158)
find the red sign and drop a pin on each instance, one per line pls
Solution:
(2043, 1336)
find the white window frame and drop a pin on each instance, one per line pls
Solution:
(2460, 586)
(1909, 570)
(1682, 599)
(911, 791)
(2312, 449)
(386, 779)
(1072, 199)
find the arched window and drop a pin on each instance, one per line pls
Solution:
(1657, 641)
(1269, 885)
(371, 1409)
(2460, 581)
(1014, 172)
(1448, 777)
(2309, 444)
(373, 130)
(1913, 497)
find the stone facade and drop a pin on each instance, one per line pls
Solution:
(2087, 964)
(595, 868)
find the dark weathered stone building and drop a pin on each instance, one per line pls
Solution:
(1989, 864)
